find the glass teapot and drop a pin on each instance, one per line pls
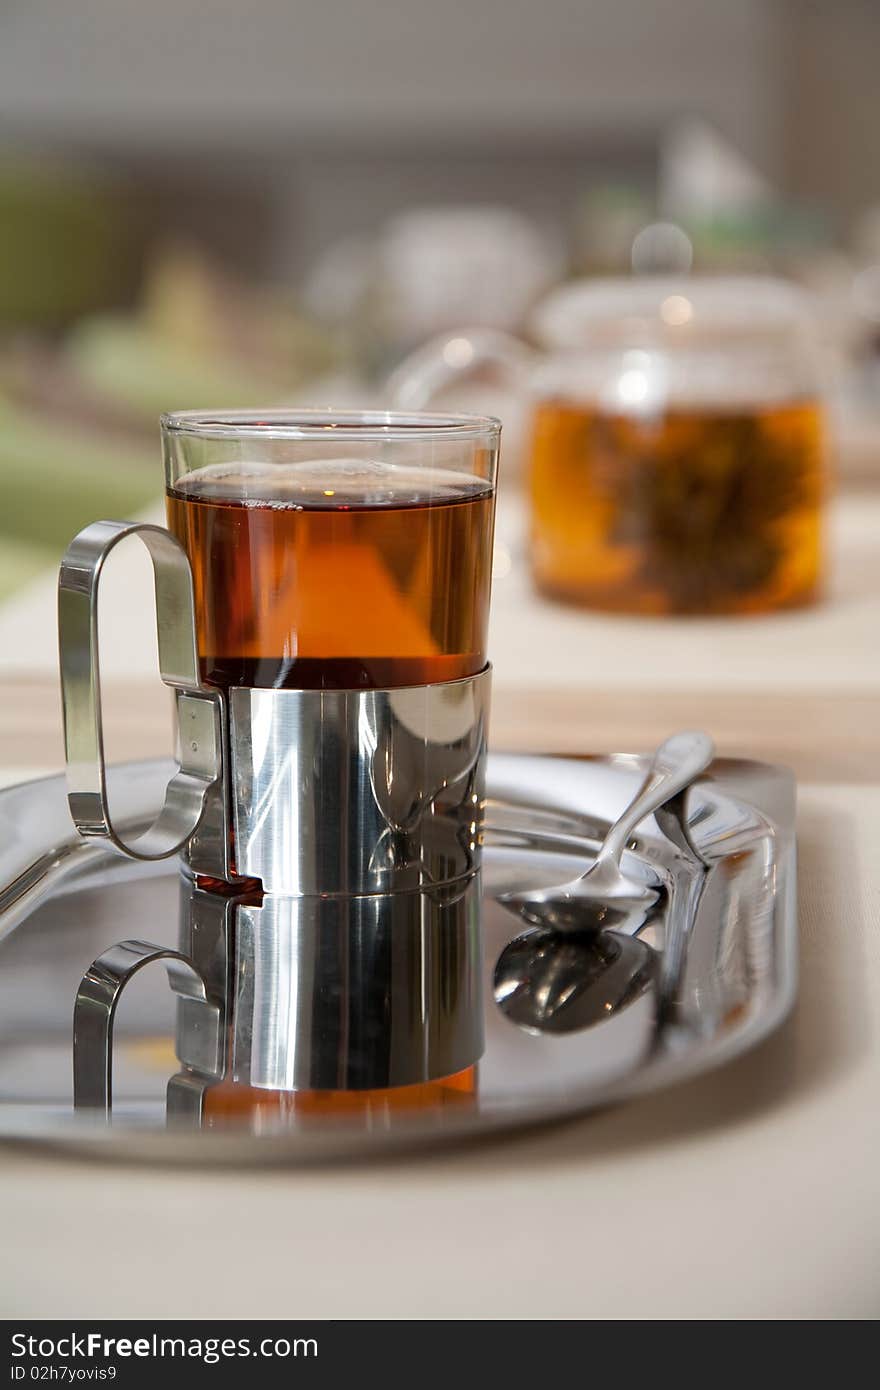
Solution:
(675, 440)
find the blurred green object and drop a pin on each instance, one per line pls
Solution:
(131, 365)
(55, 479)
(201, 339)
(607, 219)
(66, 243)
(775, 235)
(78, 418)
(20, 562)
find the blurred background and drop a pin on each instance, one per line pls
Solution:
(228, 206)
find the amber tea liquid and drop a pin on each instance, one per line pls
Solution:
(687, 510)
(343, 575)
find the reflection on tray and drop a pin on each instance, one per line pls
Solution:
(736, 983)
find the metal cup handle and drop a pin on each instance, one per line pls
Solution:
(199, 711)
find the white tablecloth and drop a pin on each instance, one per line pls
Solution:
(752, 1192)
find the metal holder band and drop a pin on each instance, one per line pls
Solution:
(198, 780)
(349, 792)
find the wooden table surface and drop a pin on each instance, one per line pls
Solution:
(822, 737)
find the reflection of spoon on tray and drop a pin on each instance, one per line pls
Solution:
(559, 982)
(605, 896)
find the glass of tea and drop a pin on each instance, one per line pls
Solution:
(334, 550)
(676, 458)
(338, 552)
(322, 606)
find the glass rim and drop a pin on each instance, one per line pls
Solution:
(370, 426)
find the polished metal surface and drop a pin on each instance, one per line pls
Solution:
(604, 896)
(358, 791)
(559, 982)
(40, 850)
(545, 819)
(198, 777)
(334, 994)
(345, 993)
(357, 993)
(94, 1011)
(691, 882)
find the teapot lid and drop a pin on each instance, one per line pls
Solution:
(688, 308)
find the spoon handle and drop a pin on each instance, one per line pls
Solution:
(687, 893)
(675, 764)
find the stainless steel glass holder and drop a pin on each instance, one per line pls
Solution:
(309, 791)
(350, 819)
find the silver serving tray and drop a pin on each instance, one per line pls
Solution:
(63, 901)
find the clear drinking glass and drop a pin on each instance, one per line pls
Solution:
(335, 550)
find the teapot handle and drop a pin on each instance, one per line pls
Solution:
(452, 357)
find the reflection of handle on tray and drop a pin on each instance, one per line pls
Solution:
(453, 357)
(198, 710)
(95, 1009)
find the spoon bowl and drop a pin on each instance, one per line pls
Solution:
(562, 982)
(605, 897)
